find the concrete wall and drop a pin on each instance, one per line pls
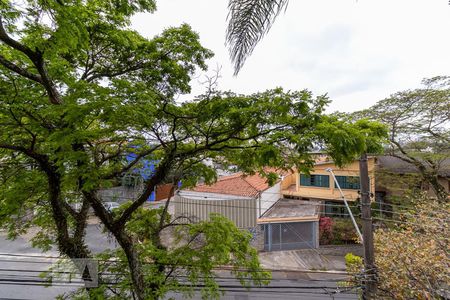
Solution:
(198, 206)
(123, 194)
(268, 198)
(118, 194)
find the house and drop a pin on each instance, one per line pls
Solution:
(124, 193)
(319, 185)
(249, 201)
(287, 214)
(406, 178)
(240, 198)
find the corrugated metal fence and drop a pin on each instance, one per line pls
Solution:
(243, 212)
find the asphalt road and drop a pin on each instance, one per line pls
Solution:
(21, 266)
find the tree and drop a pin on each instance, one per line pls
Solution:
(418, 122)
(185, 266)
(413, 261)
(80, 91)
(412, 258)
(249, 21)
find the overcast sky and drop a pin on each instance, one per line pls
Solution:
(357, 51)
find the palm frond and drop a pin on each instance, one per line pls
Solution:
(249, 21)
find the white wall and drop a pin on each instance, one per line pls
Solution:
(269, 197)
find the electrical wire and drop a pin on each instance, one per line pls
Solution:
(219, 277)
(403, 222)
(233, 206)
(408, 214)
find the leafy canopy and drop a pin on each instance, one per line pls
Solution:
(412, 256)
(419, 128)
(80, 90)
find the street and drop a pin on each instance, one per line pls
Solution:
(21, 266)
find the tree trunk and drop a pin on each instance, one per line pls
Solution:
(124, 241)
(133, 262)
(438, 189)
(432, 178)
(74, 248)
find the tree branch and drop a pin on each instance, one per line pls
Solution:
(156, 179)
(13, 43)
(131, 164)
(38, 61)
(166, 208)
(11, 66)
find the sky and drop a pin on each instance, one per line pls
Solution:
(355, 51)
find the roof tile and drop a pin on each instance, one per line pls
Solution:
(237, 184)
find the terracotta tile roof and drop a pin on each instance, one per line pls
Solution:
(236, 184)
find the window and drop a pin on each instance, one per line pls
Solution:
(348, 182)
(315, 180)
(336, 209)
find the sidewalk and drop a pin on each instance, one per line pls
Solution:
(322, 259)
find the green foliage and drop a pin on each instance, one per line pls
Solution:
(355, 267)
(79, 90)
(347, 140)
(193, 259)
(353, 262)
(343, 231)
(411, 257)
(249, 21)
(418, 123)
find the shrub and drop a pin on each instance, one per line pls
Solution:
(343, 231)
(325, 230)
(354, 266)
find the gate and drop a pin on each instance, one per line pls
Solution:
(290, 236)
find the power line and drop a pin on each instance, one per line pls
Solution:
(404, 206)
(192, 202)
(253, 290)
(409, 214)
(402, 222)
(75, 280)
(224, 268)
(218, 277)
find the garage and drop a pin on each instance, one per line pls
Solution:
(290, 224)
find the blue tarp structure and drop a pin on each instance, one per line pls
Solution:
(146, 171)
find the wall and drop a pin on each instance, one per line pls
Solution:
(394, 185)
(268, 198)
(118, 194)
(198, 206)
(163, 191)
(123, 194)
(287, 181)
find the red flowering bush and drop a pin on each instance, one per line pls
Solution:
(325, 230)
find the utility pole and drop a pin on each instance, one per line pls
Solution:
(369, 257)
(345, 202)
